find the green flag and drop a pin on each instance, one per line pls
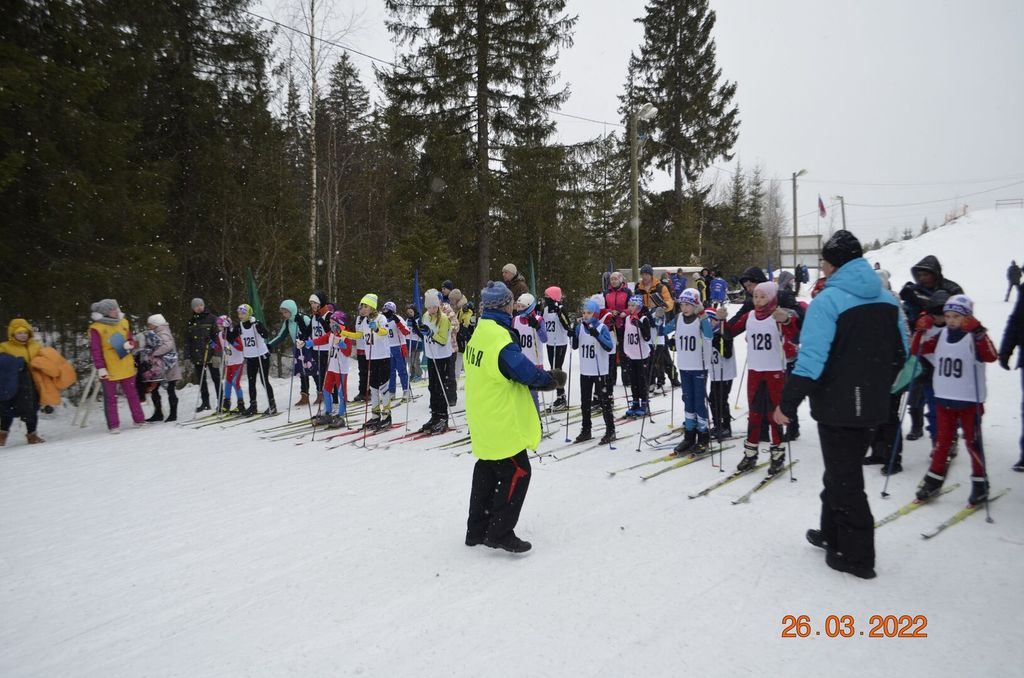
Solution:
(254, 297)
(533, 279)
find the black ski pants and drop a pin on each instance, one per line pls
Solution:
(437, 384)
(497, 496)
(556, 358)
(596, 386)
(259, 369)
(846, 519)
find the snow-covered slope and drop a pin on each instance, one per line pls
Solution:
(215, 552)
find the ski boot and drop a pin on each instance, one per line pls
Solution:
(429, 425)
(687, 443)
(337, 421)
(644, 409)
(239, 409)
(251, 410)
(583, 437)
(722, 432)
(930, 486)
(225, 407)
(631, 410)
(559, 404)
(440, 426)
(979, 491)
(384, 420)
(270, 411)
(320, 419)
(704, 441)
(1019, 466)
(778, 453)
(749, 459)
(608, 438)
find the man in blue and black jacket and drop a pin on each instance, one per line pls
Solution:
(852, 346)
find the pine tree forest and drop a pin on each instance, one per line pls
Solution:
(154, 151)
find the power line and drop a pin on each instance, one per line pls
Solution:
(933, 202)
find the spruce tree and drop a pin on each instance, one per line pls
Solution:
(676, 70)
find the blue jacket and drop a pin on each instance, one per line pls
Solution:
(852, 345)
(719, 289)
(511, 362)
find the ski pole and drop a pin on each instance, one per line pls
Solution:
(979, 456)
(291, 387)
(899, 433)
(202, 378)
(739, 388)
(568, 393)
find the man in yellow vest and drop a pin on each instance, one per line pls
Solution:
(503, 422)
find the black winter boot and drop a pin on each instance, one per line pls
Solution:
(440, 426)
(608, 438)
(430, 424)
(158, 415)
(816, 538)
(511, 543)
(703, 441)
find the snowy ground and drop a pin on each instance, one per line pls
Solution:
(213, 552)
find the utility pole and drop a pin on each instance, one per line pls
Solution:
(312, 145)
(842, 205)
(634, 193)
(646, 112)
(795, 229)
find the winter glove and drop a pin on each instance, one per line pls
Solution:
(971, 324)
(389, 315)
(780, 315)
(558, 379)
(372, 325)
(532, 321)
(308, 343)
(102, 373)
(722, 314)
(424, 330)
(924, 322)
(1004, 360)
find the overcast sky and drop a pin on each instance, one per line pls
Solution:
(869, 96)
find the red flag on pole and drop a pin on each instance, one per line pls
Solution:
(821, 208)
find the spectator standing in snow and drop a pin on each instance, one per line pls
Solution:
(852, 346)
(49, 374)
(162, 355)
(1013, 340)
(884, 275)
(202, 349)
(1013, 278)
(111, 348)
(514, 280)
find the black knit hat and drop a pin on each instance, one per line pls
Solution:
(841, 248)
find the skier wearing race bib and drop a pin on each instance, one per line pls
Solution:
(557, 327)
(693, 356)
(397, 331)
(320, 326)
(529, 327)
(721, 374)
(959, 353)
(636, 338)
(414, 343)
(770, 331)
(434, 328)
(340, 343)
(233, 361)
(257, 356)
(373, 326)
(595, 343)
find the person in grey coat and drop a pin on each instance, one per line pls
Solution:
(161, 354)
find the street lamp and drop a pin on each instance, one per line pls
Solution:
(646, 112)
(795, 175)
(842, 205)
